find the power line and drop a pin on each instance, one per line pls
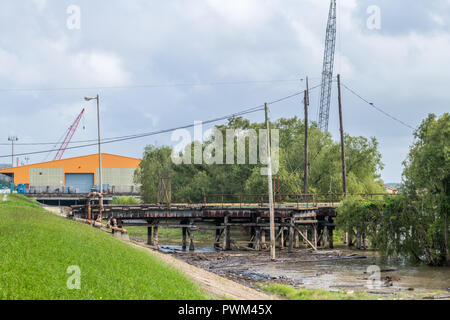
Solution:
(377, 108)
(120, 137)
(161, 85)
(143, 135)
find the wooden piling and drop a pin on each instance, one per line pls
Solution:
(184, 240)
(226, 238)
(149, 236)
(191, 240)
(155, 236)
(263, 239)
(314, 235)
(291, 237)
(330, 238)
(257, 238)
(217, 239)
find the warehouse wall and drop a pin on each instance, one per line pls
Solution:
(117, 176)
(83, 164)
(42, 177)
(119, 180)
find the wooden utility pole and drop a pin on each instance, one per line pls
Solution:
(306, 103)
(341, 122)
(269, 179)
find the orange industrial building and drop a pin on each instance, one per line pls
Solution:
(77, 175)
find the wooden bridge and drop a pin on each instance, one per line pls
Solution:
(294, 221)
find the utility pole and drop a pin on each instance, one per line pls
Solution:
(12, 139)
(99, 152)
(269, 179)
(341, 123)
(306, 103)
(99, 149)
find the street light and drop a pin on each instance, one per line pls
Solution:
(12, 139)
(99, 146)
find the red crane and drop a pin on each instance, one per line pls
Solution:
(68, 137)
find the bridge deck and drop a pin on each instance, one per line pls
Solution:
(150, 211)
(313, 224)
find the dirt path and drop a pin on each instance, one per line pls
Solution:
(212, 284)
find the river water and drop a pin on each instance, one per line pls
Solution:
(348, 273)
(407, 280)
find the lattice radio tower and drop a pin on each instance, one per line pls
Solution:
(327, 73)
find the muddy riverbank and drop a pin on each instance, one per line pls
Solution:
(340, 269)
(334, 270)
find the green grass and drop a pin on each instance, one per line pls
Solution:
(37, 247)
(124, 200)
(168, 236)
(291, 293)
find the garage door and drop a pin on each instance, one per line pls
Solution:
(82, 182)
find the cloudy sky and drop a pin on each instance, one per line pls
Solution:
(133, 52)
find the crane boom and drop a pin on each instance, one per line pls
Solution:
(327, 73)
(68, 137)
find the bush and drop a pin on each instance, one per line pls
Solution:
(125, 200)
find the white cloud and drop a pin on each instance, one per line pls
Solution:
(438, 19)
(54, 64)
(151, 42)
(40, 4)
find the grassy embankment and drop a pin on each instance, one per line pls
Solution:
(37, 247)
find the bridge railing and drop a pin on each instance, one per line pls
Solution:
(283, 200)
(262, 200)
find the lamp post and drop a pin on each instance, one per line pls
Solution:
(99, 147)
(12, 139)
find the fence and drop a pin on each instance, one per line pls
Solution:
(285, 200)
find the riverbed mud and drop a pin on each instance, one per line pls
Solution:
(334, 270)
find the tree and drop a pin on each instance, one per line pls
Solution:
(415, 223)
(191, 182)
(155, 163)
(426, 180)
